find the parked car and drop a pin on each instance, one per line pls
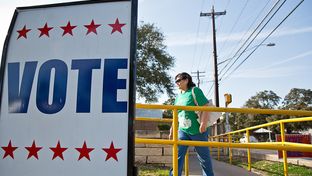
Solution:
(251, 139)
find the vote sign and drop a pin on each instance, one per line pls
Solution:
(67, 83)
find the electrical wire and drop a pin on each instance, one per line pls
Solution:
(196, 39)
(208, 61)
(222, 17)
(271, 10)
(265, 38)
(252, 40)
(209, 91)
(238, 51)
(204, 66)
(203, 46)
(233, 27)
(243, 36)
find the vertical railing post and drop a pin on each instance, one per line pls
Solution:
(230, 149)
(218, 139)
(284, 151)
(225, 148)
(175, 140)
(248, 151)
(186, 164)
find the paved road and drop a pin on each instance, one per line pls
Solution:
(219, 168)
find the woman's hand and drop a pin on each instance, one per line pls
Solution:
(204, 122)
(202, 127)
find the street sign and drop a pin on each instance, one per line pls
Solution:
(67, 82)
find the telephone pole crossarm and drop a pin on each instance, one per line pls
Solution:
(198, 76)
(210, 14)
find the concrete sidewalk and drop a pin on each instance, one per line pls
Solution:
(219, 168)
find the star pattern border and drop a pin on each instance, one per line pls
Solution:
(69, 28)
(58, 150)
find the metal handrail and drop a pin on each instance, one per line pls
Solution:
(284, 146)
(304, 119)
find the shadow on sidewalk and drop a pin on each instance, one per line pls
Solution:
(219, 168)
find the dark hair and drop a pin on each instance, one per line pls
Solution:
(185, 75)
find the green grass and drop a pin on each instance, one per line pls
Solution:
(270, 168)
(265, 168)
(144, 170)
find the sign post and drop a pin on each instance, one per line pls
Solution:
(67, 90)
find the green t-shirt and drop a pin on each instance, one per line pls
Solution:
(188, 119)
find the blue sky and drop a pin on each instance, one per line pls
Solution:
(188, 37)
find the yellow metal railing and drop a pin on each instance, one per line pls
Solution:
(284, 146)
(283, 142)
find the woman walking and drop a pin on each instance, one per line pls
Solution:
(189, 126)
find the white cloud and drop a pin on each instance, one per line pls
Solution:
(291, 31)
(185, 39)
(275, 70)
(303, 55)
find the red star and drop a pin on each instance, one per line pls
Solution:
(84, 151)
(33, 150)
(45, 30)
(68, 29)
(111, 152)
(117, 26)
(23, 32)
(92, 27)
(9, 150)
(58, 151)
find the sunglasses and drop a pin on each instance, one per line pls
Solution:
(179, 80)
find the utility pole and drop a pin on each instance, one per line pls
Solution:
(197, 75)
(215, 61)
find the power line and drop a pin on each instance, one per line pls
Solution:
(209, 91)
(249, 37)
(208, 60)
(197, 34)
(252, 35)
(252, 40)
(265, 38)
(204, 66)
(202, 48)
(233, 27)
(240, 41)
(221, 20)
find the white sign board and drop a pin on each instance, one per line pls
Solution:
(66, 97)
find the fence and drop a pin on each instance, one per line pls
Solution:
(283, 145)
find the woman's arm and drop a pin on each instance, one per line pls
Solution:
(204, 120)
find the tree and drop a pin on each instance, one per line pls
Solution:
(237, 120)
(168, 113)
(153, 64)
(262, 100)
(297, 99)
